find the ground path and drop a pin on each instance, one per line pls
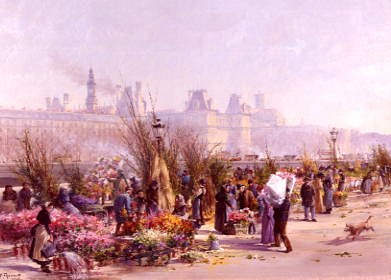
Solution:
(320, 252)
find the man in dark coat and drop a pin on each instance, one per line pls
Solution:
(222, 201)
(24, 198)
(9, 194)
(281, 215)
(153, 199)
(307, 194)
(246, 198)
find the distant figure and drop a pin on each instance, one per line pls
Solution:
(10, 196)
(366, 186)
(134, 184)
(307, 194)
(24, 197)
(222, 201)
(153, 199)
(318, 188)
(186, 190)
(41, 235)
(267, 234)
(252, 187)
(231, 197)
(64, 202)
(341, 181)
(122, 203)
(328, 191)
(197, 211)
(180, 207)
(140, 204)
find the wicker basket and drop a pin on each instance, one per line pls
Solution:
(235, 229)
(339, 201)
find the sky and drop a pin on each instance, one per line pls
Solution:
(318, 62)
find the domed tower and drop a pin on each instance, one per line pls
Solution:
(92, 101)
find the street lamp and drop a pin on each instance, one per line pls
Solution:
(157, 127)
(334, 134)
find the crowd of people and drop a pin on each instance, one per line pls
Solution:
(239, 193)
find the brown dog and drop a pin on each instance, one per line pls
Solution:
(355, 230)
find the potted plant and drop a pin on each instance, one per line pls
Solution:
(213, 242)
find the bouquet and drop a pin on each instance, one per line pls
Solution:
(237, 217)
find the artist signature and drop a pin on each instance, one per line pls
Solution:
(10, 276)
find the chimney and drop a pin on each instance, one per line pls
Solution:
(65, 102)
(259, 101)
(210, 102)
(48, 103)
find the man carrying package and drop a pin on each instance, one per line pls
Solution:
(279, 198)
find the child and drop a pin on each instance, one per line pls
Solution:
(251, 221)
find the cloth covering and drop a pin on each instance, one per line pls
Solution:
(276, 189)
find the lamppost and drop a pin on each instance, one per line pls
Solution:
(334, 134)
(157, 127)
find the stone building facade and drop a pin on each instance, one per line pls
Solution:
(242, 128)
(234, 129)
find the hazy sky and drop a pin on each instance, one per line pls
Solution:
(324, 62)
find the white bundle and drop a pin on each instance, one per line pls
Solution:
(276, 188)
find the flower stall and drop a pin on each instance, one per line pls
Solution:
(237, 223)
(152, 239)
(84, 235)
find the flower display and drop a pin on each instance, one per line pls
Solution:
(131, 227)
(237, 217)
(150, 238)
(172, 224)
(340, 194)
(84, 242)
(15, 227)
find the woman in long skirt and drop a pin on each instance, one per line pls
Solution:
(267, 235)
(41, 235)
(318, 187)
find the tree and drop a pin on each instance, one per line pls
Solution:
(197, 155)
(34, 164)
(147, 156)
(308, 164)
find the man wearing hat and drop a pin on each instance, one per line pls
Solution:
(121, 202)
(307, 194)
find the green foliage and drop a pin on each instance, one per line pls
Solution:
(219, 170)
(308, 164)
(262, 174)
(35, 165)
(75, 178)
(380, 156)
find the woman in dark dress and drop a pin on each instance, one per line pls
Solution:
(41, 235)
(222, 201)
